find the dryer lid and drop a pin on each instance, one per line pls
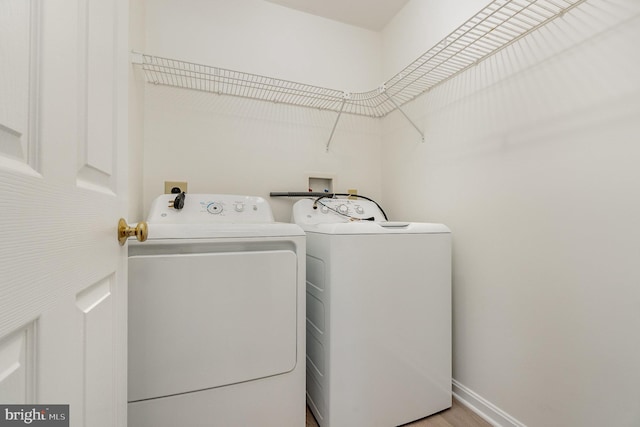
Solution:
(216, 231)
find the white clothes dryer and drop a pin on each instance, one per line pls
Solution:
(378, 315)
(216, 316)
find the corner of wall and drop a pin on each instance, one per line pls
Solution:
(481, 406)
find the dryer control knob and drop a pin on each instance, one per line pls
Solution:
(214, 208)
(239, 207)
(359, 210)
(343, 209)
(324, 209)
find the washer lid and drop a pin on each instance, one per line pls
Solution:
(370, 227)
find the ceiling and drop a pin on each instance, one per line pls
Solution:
(373, 15)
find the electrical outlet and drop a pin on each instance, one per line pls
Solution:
(168, 185)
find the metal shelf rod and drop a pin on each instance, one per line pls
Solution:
(335, 124)
(405, 115)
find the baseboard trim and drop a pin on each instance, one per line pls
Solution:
(481, 406)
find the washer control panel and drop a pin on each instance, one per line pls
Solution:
(327, 210)
(211, 208)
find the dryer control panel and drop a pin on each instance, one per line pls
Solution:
(329, 210)
(210, 208)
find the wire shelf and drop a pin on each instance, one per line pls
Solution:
(496, 26)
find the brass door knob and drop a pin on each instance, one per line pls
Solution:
(140, 231)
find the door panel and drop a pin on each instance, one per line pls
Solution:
(96, 306)
(63, 118)
(19, 29)
(207, 320)
(17, 365)
(95, 155)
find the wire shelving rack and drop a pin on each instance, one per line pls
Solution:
(495, 27)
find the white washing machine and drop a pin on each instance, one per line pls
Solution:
(378, 315)
(216, 316)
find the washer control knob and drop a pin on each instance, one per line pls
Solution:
(359, 210)
(214, 208)
(239, 207)
(343, 209)
(324, 209)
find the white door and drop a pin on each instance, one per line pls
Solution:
(63, 119)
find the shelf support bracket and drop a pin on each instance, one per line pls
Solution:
(136, 57)
(345, 96)
(395, 104)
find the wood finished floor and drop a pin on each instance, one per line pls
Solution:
(456, 416)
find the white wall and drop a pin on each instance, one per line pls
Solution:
(531, 158)
(231, 145)
(260, 37)
(420, 25)
(238, 146)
